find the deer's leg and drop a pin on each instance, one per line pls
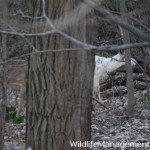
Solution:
(98, 95)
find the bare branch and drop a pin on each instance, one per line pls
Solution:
(102, 48)
(28, 34)
(28, 17)
(123, 47)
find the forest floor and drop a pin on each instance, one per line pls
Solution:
(109, 125)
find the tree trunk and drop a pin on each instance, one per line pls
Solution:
(4, 92)
(130, 84)
(59, 89)
(3, 80)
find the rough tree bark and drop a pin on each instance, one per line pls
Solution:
(3, 80)
(59, 88)
(130, 84)
(4, 92)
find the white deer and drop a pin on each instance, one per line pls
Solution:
(105, 66)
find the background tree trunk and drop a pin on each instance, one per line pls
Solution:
(4, 92)
(4, 78)
(59, 89)
(130, 84)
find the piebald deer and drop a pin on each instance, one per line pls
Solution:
(17, 80)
